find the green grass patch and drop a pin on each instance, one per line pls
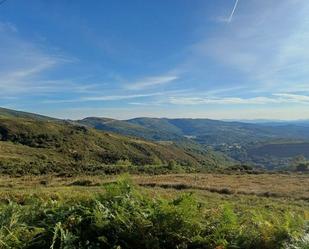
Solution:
(122, 215)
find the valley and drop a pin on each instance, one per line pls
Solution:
(135, 184)
(243, 142)
(154, 124)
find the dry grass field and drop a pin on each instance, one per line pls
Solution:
(292, 187)
(217, 210)
(268, 185)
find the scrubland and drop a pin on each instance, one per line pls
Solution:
(162, 211)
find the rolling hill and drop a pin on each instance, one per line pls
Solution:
(93, 141)
(205, 131)
(240, 140)
(38, 144)
(148, 130)
(8, 113)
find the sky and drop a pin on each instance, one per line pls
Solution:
(219, 59)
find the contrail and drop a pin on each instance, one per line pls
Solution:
(235, 6)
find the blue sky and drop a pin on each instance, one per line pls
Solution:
(222, 59)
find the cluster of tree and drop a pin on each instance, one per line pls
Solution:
(303, 167)
(300, 164)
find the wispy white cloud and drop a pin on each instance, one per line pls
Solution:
(145, 103)
(289, 97)
(24, 64)
(111, 97)
(276, 98)
(97, 98)
(266, 45)
(220, 101)
(7, 26)
(119, 97)
(261, 58)
(151, 82)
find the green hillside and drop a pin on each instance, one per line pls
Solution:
(8, 113)
(39, 145)
(152, 129)
(281, 150)
(204, 131)
(237, 140)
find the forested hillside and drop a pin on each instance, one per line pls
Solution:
(249, 143)
(35, 145)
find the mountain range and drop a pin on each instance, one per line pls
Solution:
(31, 143)
(206, 131)
(55, 144)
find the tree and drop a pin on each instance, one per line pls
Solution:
(172, 165)
(302, 167)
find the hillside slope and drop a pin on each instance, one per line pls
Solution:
(147, 130)
(8, 113)
(238, 140)
(40, 146)
(205, 131)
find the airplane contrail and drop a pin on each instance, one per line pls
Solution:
(233, 11)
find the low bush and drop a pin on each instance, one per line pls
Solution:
(82, 183)
(123, 217)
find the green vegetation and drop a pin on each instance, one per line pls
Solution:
(204, 131)
(302, 167)
(40, 146)
(281, 150)
(130, 129)
(8, 113)
(271, 145)
(193, 142)
(66, 197)
(121, 215)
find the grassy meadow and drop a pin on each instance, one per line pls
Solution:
(160, 211)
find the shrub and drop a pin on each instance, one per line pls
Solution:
(81, 183)
(123, 217)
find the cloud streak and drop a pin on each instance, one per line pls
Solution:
(261, 60)
(107, 97)
(151, 82)
(276, 98)
(99, 98)
(265, 48)
(24, 65)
